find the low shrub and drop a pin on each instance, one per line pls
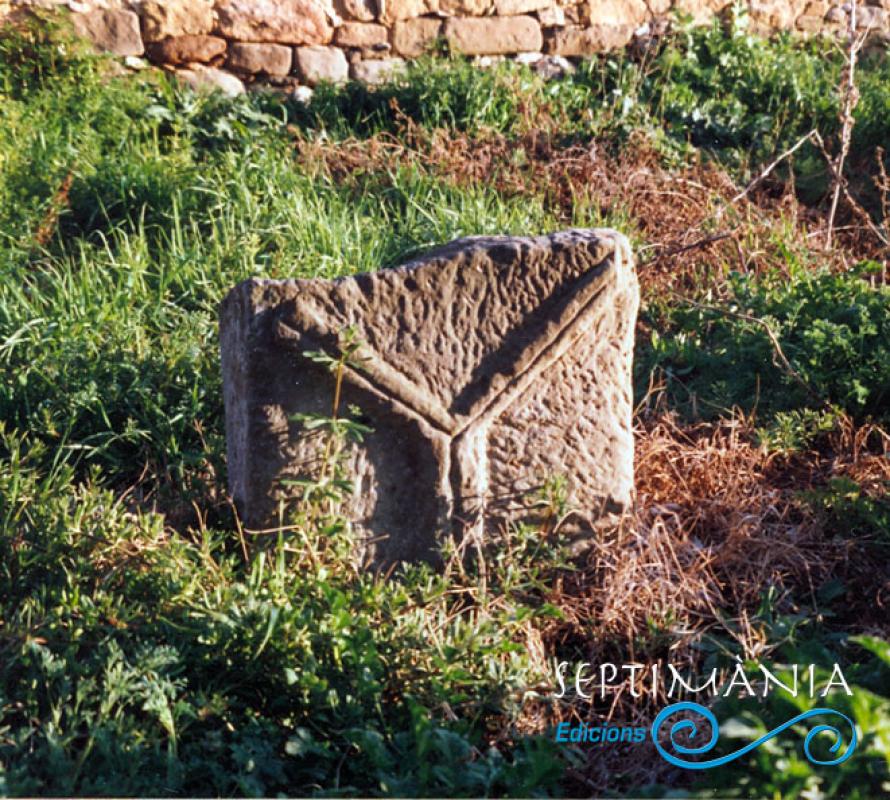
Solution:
(777, 343)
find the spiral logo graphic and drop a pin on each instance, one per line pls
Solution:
(692, 728)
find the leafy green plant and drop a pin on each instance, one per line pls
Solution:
(779, 767)
(433, 93)
(730, 91)
(779, 345)
(798, 429)
(853, 511)
(162, 665)
(37, 47)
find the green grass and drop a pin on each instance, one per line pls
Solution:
(779, 769)
(109, 327)
(139, 663)
(141, 652)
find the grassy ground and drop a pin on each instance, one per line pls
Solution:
(147, 646)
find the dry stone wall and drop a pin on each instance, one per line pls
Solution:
(298, 43)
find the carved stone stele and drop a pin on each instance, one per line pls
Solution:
(488, 366)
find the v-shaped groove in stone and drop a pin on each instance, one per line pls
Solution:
(377, 374)
(540, 353)
(488, 365)
(495, 369)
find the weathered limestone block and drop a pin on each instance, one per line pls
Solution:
(508, 8)
(317, 64)
(494, 35)
(184, 49)
(165, 18)
(413, 37)
(870, 17)
(110, 31)
(618, 12)
(282, 21)
(361, 10)
(488, 366)
(209, 79)
(807, 24)
(361, 34)
(393, 10)
(775, 14)
(554, 17)
(465, 8)
(578, 41)
(269, 59)
(374, 71)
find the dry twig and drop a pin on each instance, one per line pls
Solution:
(851, 98)
(767, 170)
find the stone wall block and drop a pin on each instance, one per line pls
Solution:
(575, 40)
(466, 8)
(253, 58)
(374, 71)
(162, 19)
(110, 31)
(210, 79)
(618, 12)
(275, 21)
(414, 37)
(395, 10)
(181, 50)
(494, 35)
(316, 64)
(509, 8)
(361, 34)
(358, 10)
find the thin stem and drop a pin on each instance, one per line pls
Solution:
(851, 97)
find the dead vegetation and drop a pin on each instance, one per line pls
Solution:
(719, 520)
(720, 523)
(691, 223)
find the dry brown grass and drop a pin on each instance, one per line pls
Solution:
(687, 222)
(715, 524)
(718, 521)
